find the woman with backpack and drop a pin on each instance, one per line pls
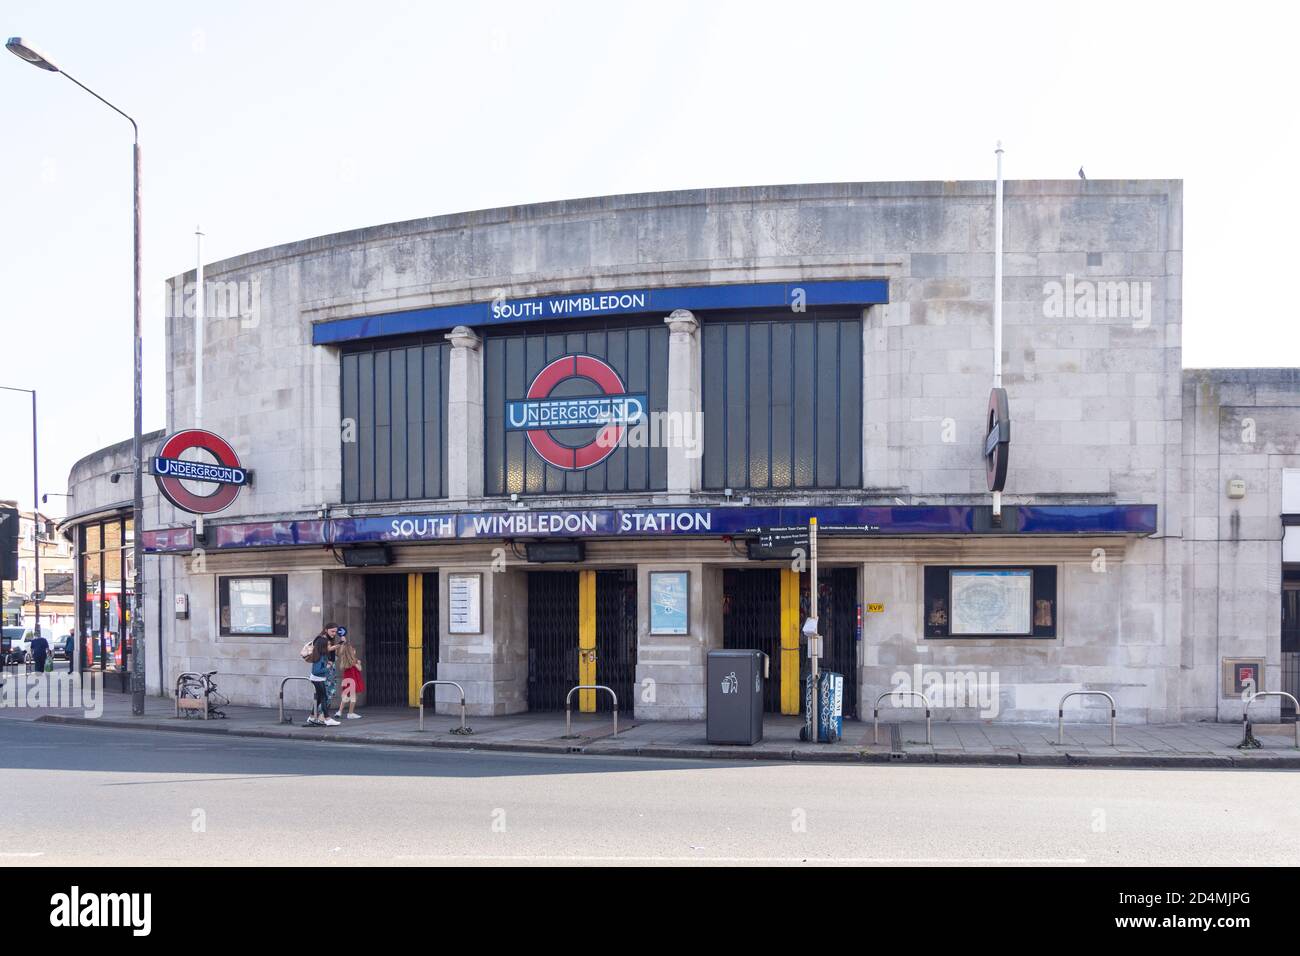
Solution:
(317, 653)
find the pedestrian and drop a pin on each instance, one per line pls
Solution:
(40, 650)
(331, 671)
(69, 646)
(322, 649)
(349, 664)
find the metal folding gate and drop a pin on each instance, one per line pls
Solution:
(557, 661)
(616, 636)
(552, 637)
(837, 615)
(389, 640)
(430, 632)
(1290, 639)
(385, 647)
(751, 620)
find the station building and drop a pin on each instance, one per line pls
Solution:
(533, 447)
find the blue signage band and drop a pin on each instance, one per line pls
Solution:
(796, 296)
(631, 523)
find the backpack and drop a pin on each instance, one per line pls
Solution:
(309, 651)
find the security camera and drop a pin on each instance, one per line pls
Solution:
(115, 477)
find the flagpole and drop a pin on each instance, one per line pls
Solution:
(997, 298)
(200, 316)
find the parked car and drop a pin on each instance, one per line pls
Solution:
(57, 649)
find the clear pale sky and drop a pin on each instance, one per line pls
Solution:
(269, 122)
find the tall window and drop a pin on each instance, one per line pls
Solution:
(394, 433)
(104, 611)
(253, 605)
(783, 402)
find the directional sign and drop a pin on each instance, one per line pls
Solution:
(778, 544)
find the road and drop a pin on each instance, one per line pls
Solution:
(85, 796)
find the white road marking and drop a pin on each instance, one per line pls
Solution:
(544, 858)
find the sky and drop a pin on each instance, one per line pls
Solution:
(267, 122)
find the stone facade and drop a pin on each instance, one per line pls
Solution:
(1242, 424)
(1103, 414)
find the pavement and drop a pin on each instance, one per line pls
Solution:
(983, 743)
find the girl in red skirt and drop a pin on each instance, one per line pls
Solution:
(352, 684)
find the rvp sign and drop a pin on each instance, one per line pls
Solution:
(172, 471)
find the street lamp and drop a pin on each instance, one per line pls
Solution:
(29, 53)
(36, 509)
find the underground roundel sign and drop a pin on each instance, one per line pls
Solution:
(223, 472)
(997, 440)
(576, 412)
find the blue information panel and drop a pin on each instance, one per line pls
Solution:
(669, 605)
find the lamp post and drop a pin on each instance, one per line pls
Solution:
(36, 508)
(24, 50)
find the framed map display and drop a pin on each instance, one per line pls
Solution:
(992, 602)
(984, 602)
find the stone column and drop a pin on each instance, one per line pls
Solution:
(492, 666)
(670, 669)
(465, 415)
(684, 431)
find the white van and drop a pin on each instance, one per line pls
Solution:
(16, 645)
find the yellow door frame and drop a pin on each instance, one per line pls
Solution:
(414, 637)
(587, 639)
(789, 641)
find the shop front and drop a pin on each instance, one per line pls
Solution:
(106, 571)
(520, 607)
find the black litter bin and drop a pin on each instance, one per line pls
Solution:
(734, 697)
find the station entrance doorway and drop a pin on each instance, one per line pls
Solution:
(401, 639)
(763, 609)
(581, 630)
